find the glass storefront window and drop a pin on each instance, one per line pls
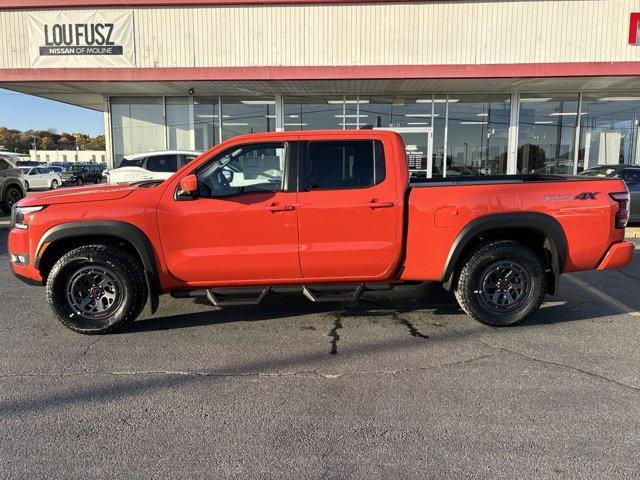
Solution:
(313, 113)
(178, 123)
(439, 122)
(205, 122)
(137, 125)
(408, 112)
(608, 130)
(251, 115)
(478, 135)
(546, 133)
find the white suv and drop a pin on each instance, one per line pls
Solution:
(150, 166)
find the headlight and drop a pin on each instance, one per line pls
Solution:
(19, 216)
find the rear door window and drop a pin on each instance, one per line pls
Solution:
(4, 165)
(162, 163)
(339, 165)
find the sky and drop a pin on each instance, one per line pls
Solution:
(26, 112)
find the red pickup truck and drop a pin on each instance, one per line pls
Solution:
(328, 213)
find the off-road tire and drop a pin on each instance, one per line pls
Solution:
(26, 185)
(79, 182)
(126, 269)
(54, 184)
(5, 204)
(470, 285)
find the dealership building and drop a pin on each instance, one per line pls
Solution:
(477, 86)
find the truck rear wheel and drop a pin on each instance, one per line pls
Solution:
(501, 284)
(96, 289)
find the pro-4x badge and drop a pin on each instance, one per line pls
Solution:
(587, 196)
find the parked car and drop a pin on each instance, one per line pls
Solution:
(12, 188)
(29, 163)
(333, 215)
(150, 166)
(40, 177)
(631, 176)
(81, 173)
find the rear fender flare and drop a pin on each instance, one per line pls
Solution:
(540, 222)
(123, 230)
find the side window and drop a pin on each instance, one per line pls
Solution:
(4, 165)
(249, 168)
(630, 176)
(162, 163)
(337, 165)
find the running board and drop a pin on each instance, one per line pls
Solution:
(224, 297)
(237, 296)
(330, 293)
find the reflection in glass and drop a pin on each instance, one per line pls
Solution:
(250, 115)
(205, 122)
(137, 125)
(402, 111)
(608, 130)
(478, 135)
(546, 133)
(313, 113)
(178, 124)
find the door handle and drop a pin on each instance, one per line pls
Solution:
(280, 208)
(377, 204)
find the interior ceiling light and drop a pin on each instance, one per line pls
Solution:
(482, 114)
(619, 99)
(258, 102)
(437, 100)
(565, 114)
(474, 123)
(418, 115)
(535, 99)
(544, 122)
(340, 102)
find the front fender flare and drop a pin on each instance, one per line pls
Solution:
(123, 230)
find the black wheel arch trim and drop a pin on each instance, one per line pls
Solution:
(126, 231)
(545, 224)
(11, 183)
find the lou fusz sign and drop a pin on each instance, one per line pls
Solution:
(81, 39)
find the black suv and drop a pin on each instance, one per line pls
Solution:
(79, 174)
(11, 186)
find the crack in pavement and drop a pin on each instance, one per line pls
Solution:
(302, 373)
(337, 325)
(413, 331)
(82, 354)
(551, 363)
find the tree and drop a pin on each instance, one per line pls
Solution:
(97, 143)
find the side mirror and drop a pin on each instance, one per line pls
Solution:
(188, 188)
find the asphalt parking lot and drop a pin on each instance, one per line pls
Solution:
(401, 385)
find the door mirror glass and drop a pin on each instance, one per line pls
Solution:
(188, 188)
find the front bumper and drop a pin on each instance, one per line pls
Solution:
(618, 256)
(19, 244)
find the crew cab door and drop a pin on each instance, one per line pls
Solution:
(241, 228)
(349, 210)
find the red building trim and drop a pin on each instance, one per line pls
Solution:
(20, 4)
(516, 70)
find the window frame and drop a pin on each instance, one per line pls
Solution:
(303, 179)
(286, 178)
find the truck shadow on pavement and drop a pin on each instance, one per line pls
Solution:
(430, 299)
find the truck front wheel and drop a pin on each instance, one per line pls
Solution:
(501, 284)
(96, 289)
